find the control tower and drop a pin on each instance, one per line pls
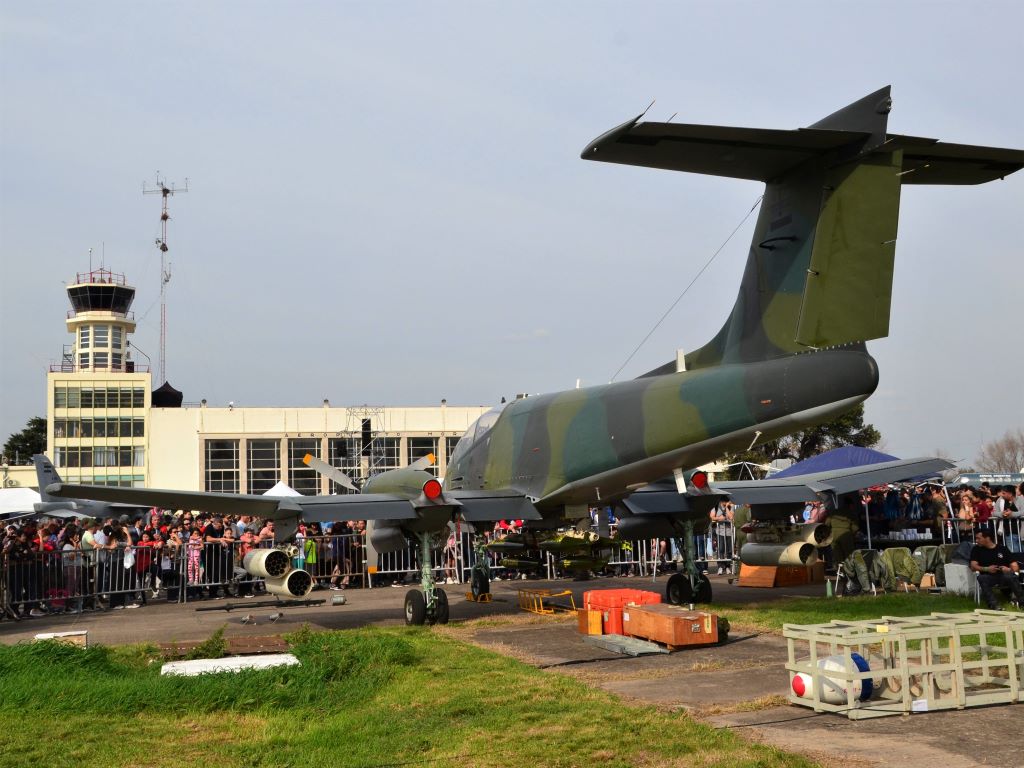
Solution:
(98, 398)
(100, 321)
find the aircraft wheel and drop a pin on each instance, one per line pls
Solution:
(440, 607)
(415, 607)
(678, 590)
(479, 584)
(703, 592)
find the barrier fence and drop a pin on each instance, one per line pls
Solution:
(125, 577)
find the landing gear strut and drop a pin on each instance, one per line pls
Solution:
(690, 586)
(480, 575)
(431, 605)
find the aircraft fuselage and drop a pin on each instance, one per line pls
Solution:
(583, 446)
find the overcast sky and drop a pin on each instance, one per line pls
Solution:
(386, 203)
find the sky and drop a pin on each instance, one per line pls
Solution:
(386, 203)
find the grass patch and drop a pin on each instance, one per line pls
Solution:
(769, 617)
(376, 696)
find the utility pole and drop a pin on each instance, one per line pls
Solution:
(165, 264)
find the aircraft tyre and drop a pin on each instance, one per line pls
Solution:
(440, 607)
(678, 590)
(415, 607)
(479, 584)
(703, 592)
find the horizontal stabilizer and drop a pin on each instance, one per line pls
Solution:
(928, 161)
(759, 154)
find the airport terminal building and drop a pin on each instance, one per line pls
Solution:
(108, 426)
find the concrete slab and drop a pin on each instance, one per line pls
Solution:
(194, 667)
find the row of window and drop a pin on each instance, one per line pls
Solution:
(100, 336)
(99, 397)
(74, 456)
(113, 361)
(99, 428)
(263, 461)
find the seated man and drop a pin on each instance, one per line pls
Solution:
(995, 567)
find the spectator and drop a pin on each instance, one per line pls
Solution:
(995, 566)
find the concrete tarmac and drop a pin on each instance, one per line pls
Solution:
(740, 685)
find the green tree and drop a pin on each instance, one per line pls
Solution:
(847, 429)
(32, 439)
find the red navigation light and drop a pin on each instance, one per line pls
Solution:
(432, 488)
(699, 480)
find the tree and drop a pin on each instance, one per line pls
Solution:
(32, 439)
(847, 429)
(1004, 454)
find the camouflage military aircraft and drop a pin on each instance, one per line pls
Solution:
(817, 285)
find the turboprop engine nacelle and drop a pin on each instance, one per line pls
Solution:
(387, 538)
(274, 566)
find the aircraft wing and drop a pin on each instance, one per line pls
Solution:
(365, 506)
(492, 506)
(807, 487)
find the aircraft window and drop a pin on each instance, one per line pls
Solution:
(476, 431)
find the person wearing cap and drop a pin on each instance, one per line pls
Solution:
(995, 567)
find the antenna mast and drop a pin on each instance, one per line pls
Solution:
(165, 264)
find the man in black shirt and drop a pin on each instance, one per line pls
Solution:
(995, 566)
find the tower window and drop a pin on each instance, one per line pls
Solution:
(100, 359)
(115, 337)
(83, 360)
(83, 338)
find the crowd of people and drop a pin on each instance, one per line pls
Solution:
(118, 563)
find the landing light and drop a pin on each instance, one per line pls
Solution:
(699, 480)
(432, 489)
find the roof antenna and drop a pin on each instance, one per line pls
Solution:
(648, 107)
(672, 118)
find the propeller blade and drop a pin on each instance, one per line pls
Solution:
(423, 463)
(332, 473)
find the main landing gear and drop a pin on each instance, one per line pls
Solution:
(431, 605)
(691, 585)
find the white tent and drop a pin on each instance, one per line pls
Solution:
(17, 500)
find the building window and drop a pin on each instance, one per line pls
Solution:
(87, 399)
(101, 336)
(222, 466)
(83, 338)
(138, 456)
(114, 398)
(264, 460)
(104, 457)
(83, 359)
(449, 448)
(138, 397)
(423, 446)
(138, 427)
(116, 361)
(115, 337)
(300, 477)
(345, 454)
(100, 360)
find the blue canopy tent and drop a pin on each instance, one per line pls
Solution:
(838, 458)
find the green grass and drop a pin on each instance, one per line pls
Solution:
(377, 696)
(770, 616)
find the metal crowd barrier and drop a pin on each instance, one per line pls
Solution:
(1008, 531)
(100, 579)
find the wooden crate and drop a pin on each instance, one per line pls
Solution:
(782, 575)
(589, 622)
(670, 625)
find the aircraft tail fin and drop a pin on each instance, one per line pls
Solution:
(46, 474)
(820, 265)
